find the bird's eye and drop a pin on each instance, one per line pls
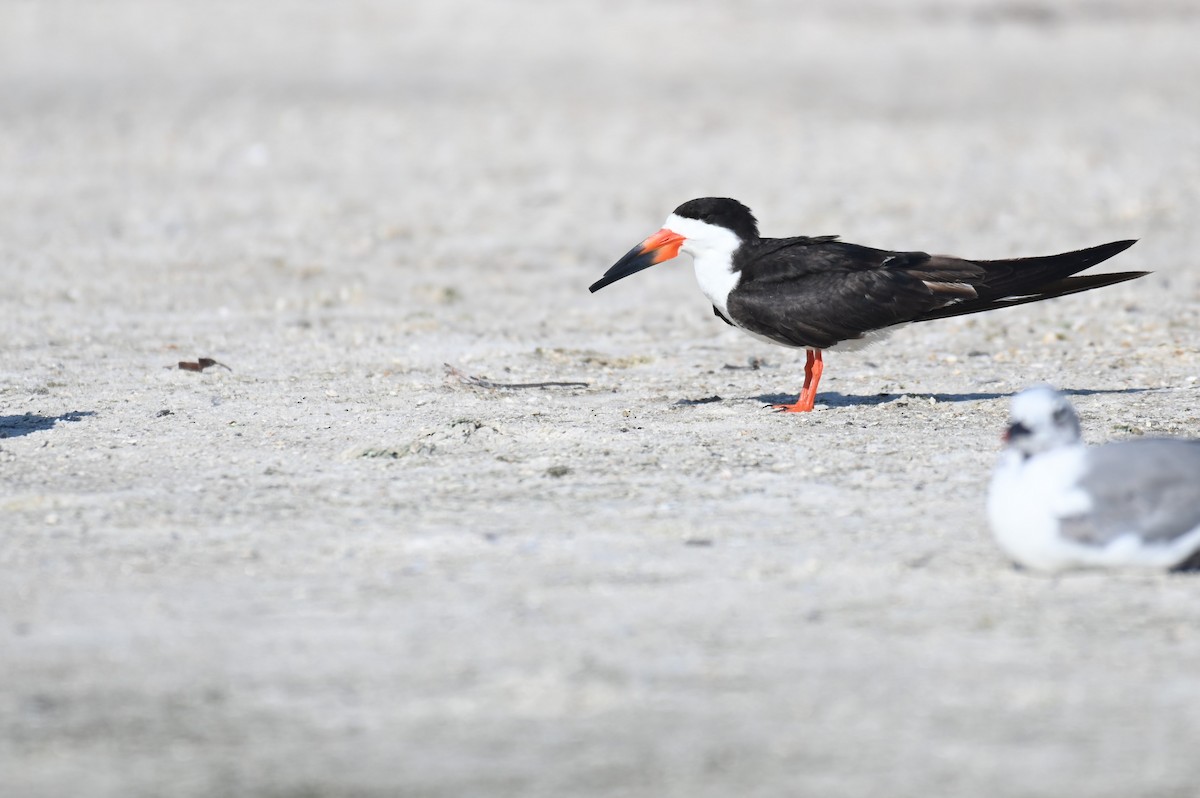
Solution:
(1061, 415)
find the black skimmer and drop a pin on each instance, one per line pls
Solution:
(818, 293)
(1055, 504)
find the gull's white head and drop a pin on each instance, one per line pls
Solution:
(1041, 419)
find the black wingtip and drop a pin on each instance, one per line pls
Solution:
(1086, 258)
(1023, 276)
(1113, 248)
(1078, 284)
(1052, 290)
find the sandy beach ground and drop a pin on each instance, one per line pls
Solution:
(338, 568)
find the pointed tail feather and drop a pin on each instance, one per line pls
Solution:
(1027, 276)
(1064, 287)
(1077, 260)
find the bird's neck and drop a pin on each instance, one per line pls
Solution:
(717, 277)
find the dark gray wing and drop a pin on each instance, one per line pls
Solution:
(1150, 487)
(816, 292)
(1016, 281)
(822, 309)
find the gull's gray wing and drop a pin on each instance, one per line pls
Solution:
(1150, 487)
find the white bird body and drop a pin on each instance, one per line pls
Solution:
(1055, 504)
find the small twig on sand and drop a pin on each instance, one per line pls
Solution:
(481, 382)
(201, 364)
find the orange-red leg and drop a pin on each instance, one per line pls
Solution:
(814, 367)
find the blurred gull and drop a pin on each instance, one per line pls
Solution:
(1056, 504)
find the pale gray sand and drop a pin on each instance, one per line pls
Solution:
(335, 571)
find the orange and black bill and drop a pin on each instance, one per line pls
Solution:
(661, 246)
